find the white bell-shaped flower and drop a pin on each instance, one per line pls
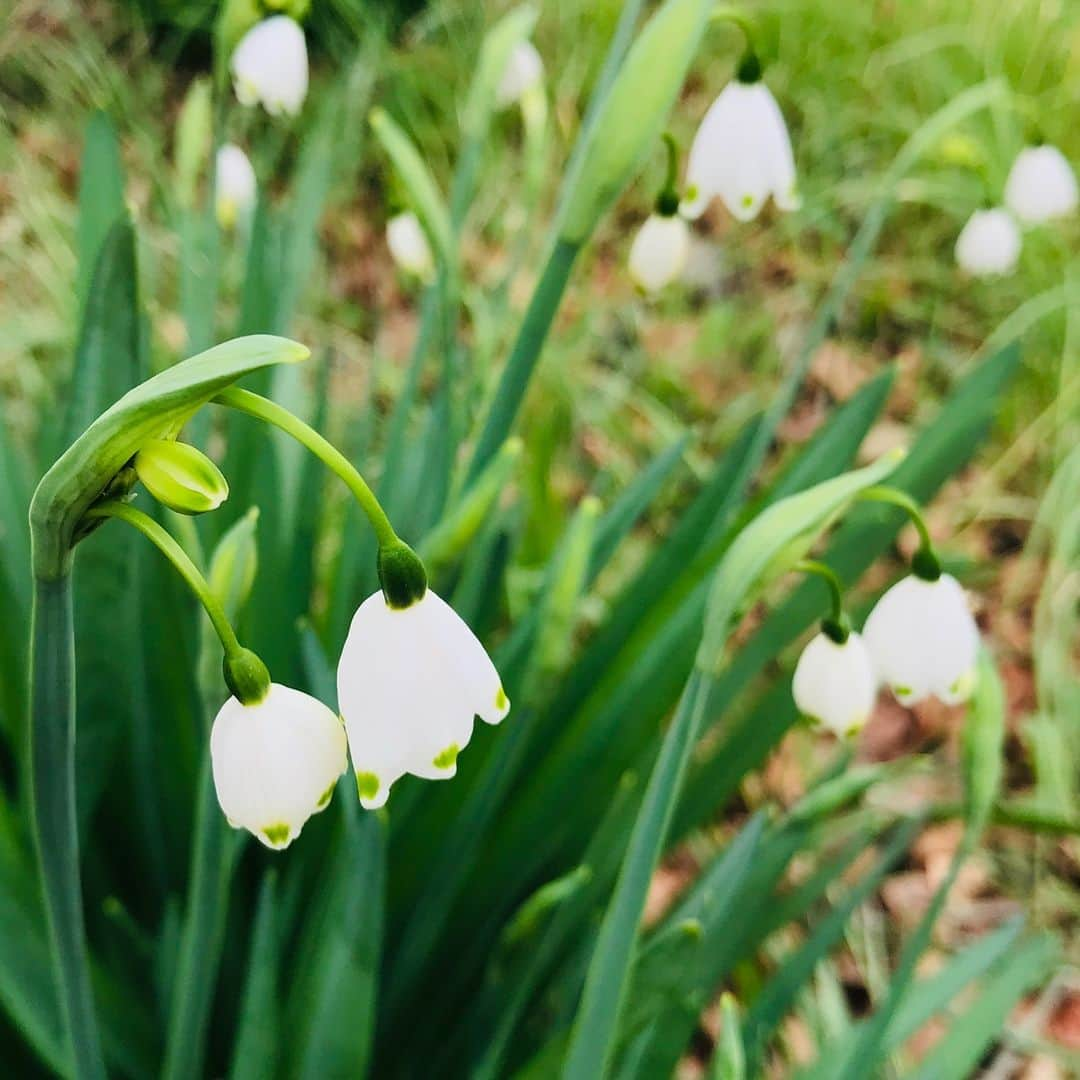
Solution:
(409, 245)
(989, 244)
(275, 763)
(410, 683)
(270, 66)
(659, 252)
(1041, 185)
(834, 683)
(523, 71)
(742, 153)
(234, 185)
(923, 640)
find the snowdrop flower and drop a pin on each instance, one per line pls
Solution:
(409, 245)
(234, 185)
(270, 66)
(659, 251)
(989, 243)
(741, 152)
(834, 683)
(1041, 185)
(275, 762)
(524, 70)
(923, 640)
(410, 682)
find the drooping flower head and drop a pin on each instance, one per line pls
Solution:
(989, 244)
(409, 245)
(524, 70)
(923, 640)
(659, 252)
(834, 683)
(1041, 185)
(411, 680)
(270, 66)
(275, 762)
(742, 151)
(234, 185)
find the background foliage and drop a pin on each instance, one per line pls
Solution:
(453, 935)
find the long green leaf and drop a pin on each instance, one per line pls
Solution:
(960, 1051)
(780, 992)
(256, 1051)
(101, 196)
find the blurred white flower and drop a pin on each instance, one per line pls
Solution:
(524, 70)
(1041, 185)
(659, 251)
(923, 640)
(409, 245)
(834, 684)
(410, 683)
(989, 243)
(234, 185)
(270, 66)
(742, 153)
(275, 762)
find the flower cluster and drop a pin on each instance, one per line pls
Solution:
(919, 640)
(1041, 187)
(741, 153)
(411, 680)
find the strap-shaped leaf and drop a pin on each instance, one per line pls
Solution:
(155, 409)
(771, 544)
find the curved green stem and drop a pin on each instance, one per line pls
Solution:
(180, 560)
(667, 202)
(925, 562)
(52, 754)
(836, 587)
(270, 413)
(739, 18)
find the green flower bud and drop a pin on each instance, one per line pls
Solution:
(181, 477)
(636, 110)
(246, 676)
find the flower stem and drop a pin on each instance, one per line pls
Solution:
(925, 562)
(180, 560)
(667, 201)
(53, 784)
(750, 64)
(837, 626)
(270, 413)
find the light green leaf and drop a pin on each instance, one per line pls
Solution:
(157, 408)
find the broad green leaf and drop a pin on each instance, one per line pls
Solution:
(770, 545)
(632, 503)
(101, 196)
(108, 363)
(257, 1048)
(926, 998)
(629, 123)
(330, 1011)
(958, 1054)
(661, 983)
(779, 993)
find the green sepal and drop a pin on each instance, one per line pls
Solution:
(156, 409)
(401, 574)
